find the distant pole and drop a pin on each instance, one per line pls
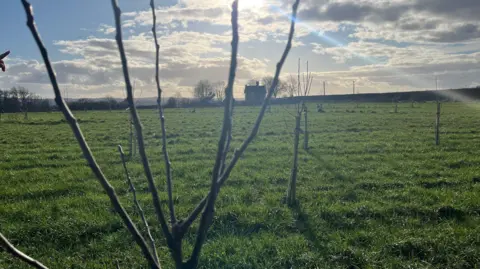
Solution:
(354, 87)
(324, 89)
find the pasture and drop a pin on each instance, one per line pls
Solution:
(374, 191)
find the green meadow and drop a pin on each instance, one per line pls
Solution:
(374, 190)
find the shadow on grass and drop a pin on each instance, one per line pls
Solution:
(328, 167)
(307, 229)
(346, 258)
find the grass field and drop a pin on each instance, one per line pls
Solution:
(374, 190)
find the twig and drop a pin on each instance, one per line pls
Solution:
(4, 243)
(238, 152)
(137, 204)
(226, 129)
(83, 144)
(138, 128)
(162, 119)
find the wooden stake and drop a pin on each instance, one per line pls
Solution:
(437, 125)
(292, 189)
(305, 141)
(130, 142)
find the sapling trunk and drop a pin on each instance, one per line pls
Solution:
(130, 142)
(134, 141)
(305, 141)
(437, 125)
(173, 235)
(292, 188)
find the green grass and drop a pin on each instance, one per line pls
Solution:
(374, 190)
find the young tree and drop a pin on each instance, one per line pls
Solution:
(203, 89)
(112, 102)
(281, 87)
(219, 90)
(174, 231)
(302, 88)
(291, 86)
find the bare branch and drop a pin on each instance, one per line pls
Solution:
(194, 214)
(258, 122)
(224, 137)
(229, 140)
(4, 243)
(138, 128)
(238, 152)
(83, 144)
(137, 204)
(162, 118)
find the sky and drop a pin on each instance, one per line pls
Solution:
(382, 45)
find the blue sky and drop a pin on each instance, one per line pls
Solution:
(396, 45)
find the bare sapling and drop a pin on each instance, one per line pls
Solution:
(132, 146)
(437, 124)
(131, 138)
(292, 187)
(172, 228)
(305, 128)
(307, 85)
(302, 89)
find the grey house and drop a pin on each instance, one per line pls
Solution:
(255, 94)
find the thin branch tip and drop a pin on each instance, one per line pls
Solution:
(139, 129)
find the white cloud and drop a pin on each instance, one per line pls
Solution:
(387, 45)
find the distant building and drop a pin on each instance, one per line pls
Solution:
(255, 94)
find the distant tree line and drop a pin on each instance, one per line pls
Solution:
(106, 103)
(20, 99)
